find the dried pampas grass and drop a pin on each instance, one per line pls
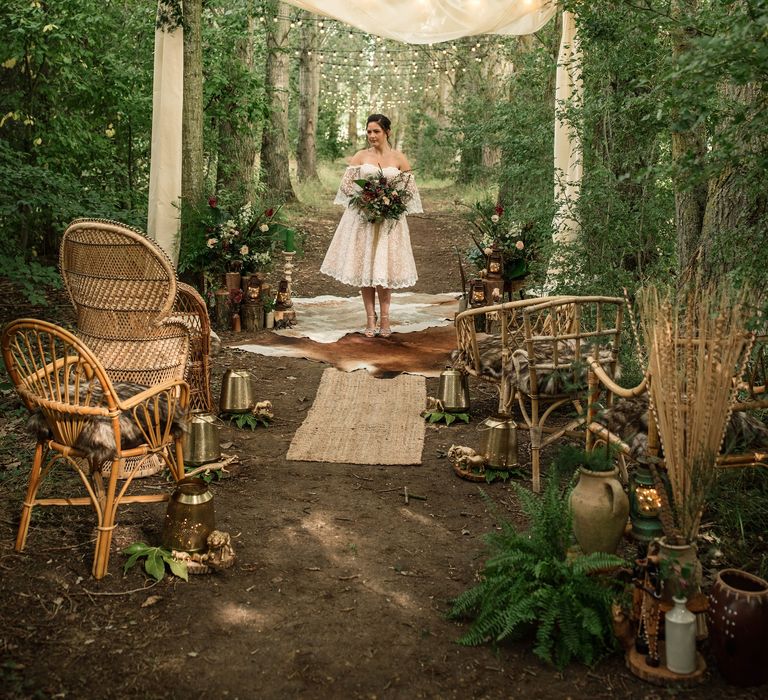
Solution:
(698, 343)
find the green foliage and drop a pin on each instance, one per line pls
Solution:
(248, 420)
(437, 416)
(31, 277)
(569, 458)
(530, 587)
(155, 560)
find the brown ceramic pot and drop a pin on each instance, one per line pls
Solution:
(738, 624)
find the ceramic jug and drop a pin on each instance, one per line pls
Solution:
(600, 510)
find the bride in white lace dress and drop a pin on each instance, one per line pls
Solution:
(375, 258)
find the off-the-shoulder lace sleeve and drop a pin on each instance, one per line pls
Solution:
(348, 187)
(414, 204)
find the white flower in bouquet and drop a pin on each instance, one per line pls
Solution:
(211, 242)
(495, 218)
(264, 228)
(244, 250)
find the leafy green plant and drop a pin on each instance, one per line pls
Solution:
(155, 559)
(569, 458)
(531, 587)
(247, 420)
(437, 416)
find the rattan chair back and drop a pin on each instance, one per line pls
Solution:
(130, 309)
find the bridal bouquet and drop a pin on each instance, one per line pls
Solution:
(382, 197)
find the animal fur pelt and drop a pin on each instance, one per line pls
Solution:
(628, 418)
(97, 439)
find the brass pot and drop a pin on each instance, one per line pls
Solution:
(498, 443)
(453, 391)
(190, 517)
(236, 392)
(201, 441)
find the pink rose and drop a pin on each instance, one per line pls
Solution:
(519, 245)
(212, 202)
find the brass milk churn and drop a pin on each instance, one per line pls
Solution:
(453, 391)
(237, 394)
(190, 517)
(498, 443)
(201, 441)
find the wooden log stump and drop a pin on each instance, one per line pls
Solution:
(252, 314)
(222, 310)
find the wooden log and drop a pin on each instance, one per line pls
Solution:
(252, 314)
(222, 310)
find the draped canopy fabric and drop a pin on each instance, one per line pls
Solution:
(410, 21)
(433, 21)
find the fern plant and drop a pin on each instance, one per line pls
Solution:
(531, 587)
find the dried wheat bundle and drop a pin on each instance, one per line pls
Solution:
(697, 344)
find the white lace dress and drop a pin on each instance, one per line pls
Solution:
(359, 257)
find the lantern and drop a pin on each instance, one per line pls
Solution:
(283, 296)
(495, 262)
(644, 505)
(477, 293)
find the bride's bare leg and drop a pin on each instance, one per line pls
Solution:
(369, 301)
(385, 298)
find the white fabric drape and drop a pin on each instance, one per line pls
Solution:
(568, 163)
(165, 159)
(411, 21)
(432, 21)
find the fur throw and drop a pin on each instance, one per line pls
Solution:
(628, 418)
(568, 377)
(97, 439)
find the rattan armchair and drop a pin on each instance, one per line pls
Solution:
(86, 422)
(751, 395)
(540, 359)
(128, 302)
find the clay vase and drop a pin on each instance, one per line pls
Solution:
(738, 626)
(600, 510)
(683, 554)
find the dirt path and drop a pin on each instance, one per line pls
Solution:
(340, 589)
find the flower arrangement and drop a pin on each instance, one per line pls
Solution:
(381, 197)
(244, 241)
(497, 229)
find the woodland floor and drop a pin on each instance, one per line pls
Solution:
(340, 589)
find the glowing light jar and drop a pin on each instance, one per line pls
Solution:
(644, 506)
(495, 263)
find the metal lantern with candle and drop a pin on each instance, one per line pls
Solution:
(494, 263)
(477, 297)
(644, 504)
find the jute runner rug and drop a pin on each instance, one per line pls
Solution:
(357, 419)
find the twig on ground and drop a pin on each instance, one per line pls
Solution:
(134, 590)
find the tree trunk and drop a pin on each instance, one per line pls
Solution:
(730, 207)
(192, 173)
(352, 120)
(309, 101)
(237, 143)
(689, 145)
(274, 141)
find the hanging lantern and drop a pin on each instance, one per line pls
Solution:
(477, 293)
(644, 505)
(495, 263)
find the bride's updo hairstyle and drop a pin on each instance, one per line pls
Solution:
(382, 121)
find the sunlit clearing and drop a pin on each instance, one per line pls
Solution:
(237, 614)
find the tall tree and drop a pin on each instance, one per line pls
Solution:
(309, 101)
(237, 142)
(274, 141)
(192, 175)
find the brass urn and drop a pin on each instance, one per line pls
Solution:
(498, 443)
(237, 394)
(453, 391)
(190, 517)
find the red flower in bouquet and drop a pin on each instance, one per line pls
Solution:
(382, 197)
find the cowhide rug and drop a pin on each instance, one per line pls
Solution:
(329, 330)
